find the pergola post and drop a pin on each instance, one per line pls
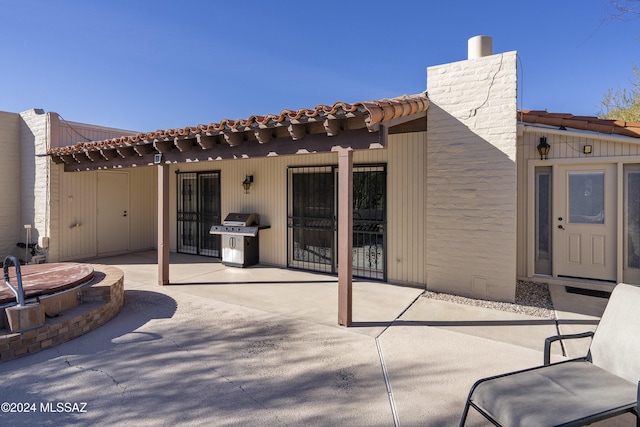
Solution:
(345, 236)
(163, 224)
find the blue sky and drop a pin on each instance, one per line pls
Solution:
(147, 65)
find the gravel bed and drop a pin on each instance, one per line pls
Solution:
(532, 299)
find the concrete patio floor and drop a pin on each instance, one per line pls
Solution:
(261, 346)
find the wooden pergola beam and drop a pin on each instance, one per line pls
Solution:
(233, 138)
(163, 147)
(125, 152)
(332, 127)
(143, 149)
(183, 144)
(263, 135)
(345, 236)
(163, 224)
(297, 131)
(109, 153)
(360, 139)
(206, 142)
(81, 157)
(95, 156)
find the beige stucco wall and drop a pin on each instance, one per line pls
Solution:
(11, 231)
(471, 177)
(35, 176)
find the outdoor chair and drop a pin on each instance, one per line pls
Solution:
(574, 392)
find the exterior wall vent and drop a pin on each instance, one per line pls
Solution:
(480, 46)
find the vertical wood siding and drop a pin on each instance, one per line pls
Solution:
(570, 147)
(73, 197)
(405, 158)
(406, 208)
(78, 192)
(267, 196)
(143, 201)
(567, 148)
(77, 216)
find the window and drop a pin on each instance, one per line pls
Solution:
(632, 216)
(586, 197)
(543, 221)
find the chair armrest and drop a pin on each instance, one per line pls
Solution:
(548, 341)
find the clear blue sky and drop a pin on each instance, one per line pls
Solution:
(147, 65)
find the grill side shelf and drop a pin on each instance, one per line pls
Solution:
(237, 231)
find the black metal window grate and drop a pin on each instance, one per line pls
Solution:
(312, 222)
(369, 221)
(198, 202)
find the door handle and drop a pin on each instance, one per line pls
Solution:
(125, 213)
(560, 227)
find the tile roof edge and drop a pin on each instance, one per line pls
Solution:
(376, 111)
(590, 123)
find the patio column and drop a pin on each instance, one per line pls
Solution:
(163, 224)
(345, 236)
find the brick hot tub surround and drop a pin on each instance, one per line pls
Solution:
(71, 312)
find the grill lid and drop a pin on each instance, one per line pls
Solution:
(242, 219)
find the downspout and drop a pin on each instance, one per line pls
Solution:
(47, 209)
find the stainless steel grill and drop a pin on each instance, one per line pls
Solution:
(239, 224)
(240, 245)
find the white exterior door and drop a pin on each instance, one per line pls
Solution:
(113, 212)
(586, 222)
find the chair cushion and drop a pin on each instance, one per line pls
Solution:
(553, 395)
(616, 343)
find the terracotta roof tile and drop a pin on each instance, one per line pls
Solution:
(373, 112)
(589, 123)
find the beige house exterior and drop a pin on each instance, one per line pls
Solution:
(579, 208)
(34, 185)
(448, 187)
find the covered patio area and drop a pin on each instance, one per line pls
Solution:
(298, 294)
(291, 154)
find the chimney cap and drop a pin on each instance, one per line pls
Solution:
(480, 46)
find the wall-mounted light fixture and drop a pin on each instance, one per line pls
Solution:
(246, 184)
(543, 148)
(587, 149)
(157, 158)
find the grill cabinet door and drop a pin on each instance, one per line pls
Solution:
(232, 249)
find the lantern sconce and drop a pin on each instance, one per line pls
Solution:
(543, 148)
(246, 184)
(587, 149)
